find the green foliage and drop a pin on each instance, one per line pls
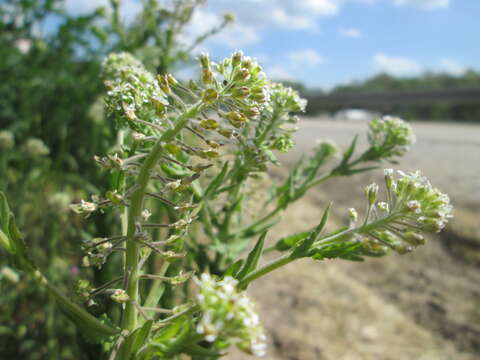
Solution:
(167, 252)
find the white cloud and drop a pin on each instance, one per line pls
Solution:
(278, 72)
(234, 36)
(254, 16)
(350, 32)
(397, 66)
(306, 57)
(450, 66)
(424, 4)
(286, 13)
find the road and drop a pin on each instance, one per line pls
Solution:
(447, 153)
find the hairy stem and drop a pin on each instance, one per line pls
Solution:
(129, 320)
(285, 259)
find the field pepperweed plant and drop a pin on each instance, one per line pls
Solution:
(189, 156)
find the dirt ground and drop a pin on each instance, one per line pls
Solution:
(424, 305)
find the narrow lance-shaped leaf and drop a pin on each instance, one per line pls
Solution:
(290, 241)
(215, 183)
(253, 257)
(135, 341)
(234, 268)
(303, 248)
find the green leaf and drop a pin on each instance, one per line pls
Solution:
(287, 242)
(253, 257)
(357, 171)
(4, 213)
(173, 337)
(135, 341)
(342, 250)
(303, 248)
(211, 190)
(349, 152)
(197, 350)
(10, 237)
(234, 268)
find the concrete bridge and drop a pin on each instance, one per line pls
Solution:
(386, 99)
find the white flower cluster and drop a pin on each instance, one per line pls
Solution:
(133, 93)
(287, 98)
(36, 147)
(228, 316)
(413, 207)
(7, 140)
(390, 135)
(426, 205)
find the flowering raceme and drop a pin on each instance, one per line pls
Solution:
(187, 153)
(228, 316)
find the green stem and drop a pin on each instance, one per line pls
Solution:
(130, 317)
(286, 259)
(75, 313)
(273, 265)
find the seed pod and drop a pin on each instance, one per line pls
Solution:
(120, 296)
(173, 148)
(228, 133)
(213, 144)
(236, 119)
(171, 80)
(209, 124)
(210, 96)
(414, 238)
(163, 83)
(207, 76)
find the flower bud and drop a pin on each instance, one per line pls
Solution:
(383, 206)
(352, 214)
(204, 61)
(242, 75)
(388, 178)
(371, 192)
(237, 58)
(241, 92)
(251, 111)
(413, 206)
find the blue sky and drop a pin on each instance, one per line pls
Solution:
(326, 42)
